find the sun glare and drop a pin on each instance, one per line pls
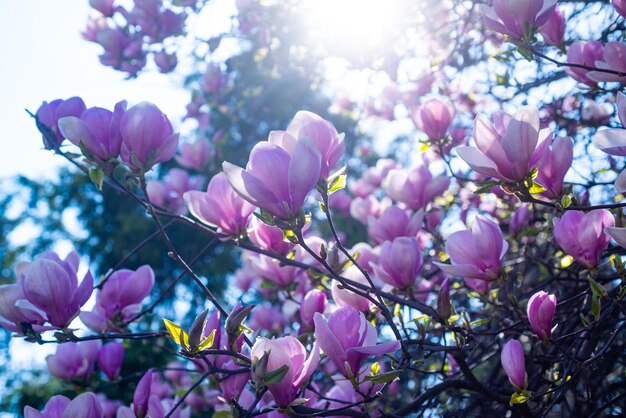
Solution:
(354, 26)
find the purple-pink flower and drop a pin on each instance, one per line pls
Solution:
(400, 262)
(50, 286)
(516, 18)
(512, 359)
(74, 360)
(97, 129)
(50, 113)
(110, 359)
(540, 311)
(286, 351)
(476, 255)
(393, 223)
(613, 141)
(510, 147)
(583, 53)
(85, 405)
(119, 299)
(220, 206)
(147, 136)
(434, 117)
(416, 187)
(276, 180)
(553, 166)
(314, 301)
(582, 235)
(613, 59)
(194, 155)
(554, 29)
(348, 338)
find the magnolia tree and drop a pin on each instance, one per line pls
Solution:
(476, 272)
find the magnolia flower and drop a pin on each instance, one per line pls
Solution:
(476, 255)
(583, 53)
(515, 18)
(313, 302)
(74, 360)
(393, 223)
(613, 59)
(274, 179)
(540, 311)
(510, 148)
(50, 113)
(289, 352)
(348, 339)
(400, 262)
(85, 405)
(416, 187)
(554, 29)
(434, 117)
(553, 166)
(512, 359)
(582, 235)
(220, 206)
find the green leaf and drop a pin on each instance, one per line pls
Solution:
(223, 414)
(485, 187)
(175, 332)
(337, 183)
(97, 177)
(518, 398)
(276, 376)
(265, 217)
(536, 188)
(208, 341)
(383, 377)
(584, 320)
(597, 288)
(596, 306)
(566, 201)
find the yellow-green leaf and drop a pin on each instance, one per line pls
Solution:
(518, 398)
(208, 341)
(175, 332)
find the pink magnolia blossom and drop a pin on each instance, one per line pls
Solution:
(510, 148)
(348, 338)
(614, 59)
(583, 53)
(400, 262)
(613, 141)
(393, 223)
(434, 117)
(74, 360)
(169, 192)
(286, 351)
(620, 6)
(194, 155)
(512, 359)
(85, 405)
(416, 187)
(50, 113)
(274, 179)
(553, 166)
(540, 311)
(476, 255)
(220, 207)
(515, 17)
(345, 297)
(314, 301)
(582, 235)
(110, 359)
(554, 29)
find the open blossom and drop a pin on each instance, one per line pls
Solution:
(321, 132)
(613, 59)
(147, 136)
(540, 311)
(416, 187)
(613, 141)
(220, 206)
(514, 17)
(400, 262)
(434, 117)
(286, 351)
(274, 179)
(553, 166)
(50, 113)
(50, 286)
(583, 53)
(512, 359)
(476, 255)
(85, 405)
(348, 338)
(119, 299)
(15, 309)
(510, 148)
(97, 129)
(74, 360)
(194, 155)
(393, 223)
(582, 235)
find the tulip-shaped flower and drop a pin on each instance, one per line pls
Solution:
(393, 223)
(119, 299)
(613, 60)
(348, 339)
(416, 187)
(540, 311)
(434, 118)
(400, 262)
(554, 165)
(314, 301)
(74, 360)
(345, 297)
(194, 155)
(553, 30)
(285, 352)
(268, 237)
(147, 137)
(512, 359)
(274, 179)
(620, 6)
(613, 141)
(50, 113)
(97, 129)
(51, 286)
(583, 53)
(15, 309)
(516, 17)
(85, 405)
(110, 359)
(321, 132)
(220, 206)
(582, 235)
(476, 255)
(510, 148)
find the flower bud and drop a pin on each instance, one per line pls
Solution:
(540, 310)
(512, 359)
(314, 301)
